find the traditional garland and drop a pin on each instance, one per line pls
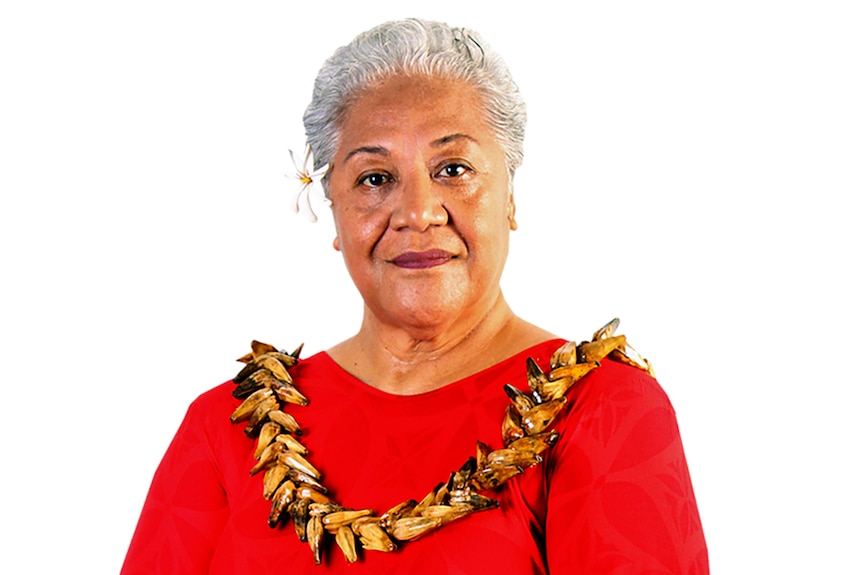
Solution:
(294, 486)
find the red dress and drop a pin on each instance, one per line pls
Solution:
(613, 496)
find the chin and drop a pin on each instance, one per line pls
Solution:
(425, 310)
(428, 316)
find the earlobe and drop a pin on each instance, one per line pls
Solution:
(513, 225)
(336, 244)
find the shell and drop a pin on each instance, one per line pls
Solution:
(512, 425)
(273, 479)
(281, 499)
(249, 405)
(346, 541)
(315, 533)
(522, 402)
(412, 528)
(594, 351)
(344, 517)
(268, 457)
(541, 416)
(268, 433)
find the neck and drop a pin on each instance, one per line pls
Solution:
(416, 359)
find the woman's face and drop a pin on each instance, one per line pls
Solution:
(421, 202)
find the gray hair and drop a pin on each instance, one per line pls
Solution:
(414, 47)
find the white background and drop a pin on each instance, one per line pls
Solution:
(695, 166)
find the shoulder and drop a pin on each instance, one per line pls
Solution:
(619, 477)
(207, 419)
(622, 374)
(621, 412)
(214, 402)
(620, 382)
(218, 402)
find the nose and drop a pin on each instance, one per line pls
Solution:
(419, 205)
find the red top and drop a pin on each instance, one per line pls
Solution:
(612, 496)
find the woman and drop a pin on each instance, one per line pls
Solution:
(396, 463)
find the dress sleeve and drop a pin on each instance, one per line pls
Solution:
(185, 509)
(620, 499)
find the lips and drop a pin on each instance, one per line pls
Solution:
(422, 260)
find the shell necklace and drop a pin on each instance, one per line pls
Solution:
(295, 488)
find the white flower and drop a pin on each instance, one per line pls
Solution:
(309, 181)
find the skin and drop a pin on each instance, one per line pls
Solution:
(423, 209)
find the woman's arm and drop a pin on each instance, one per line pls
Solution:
(620, 498)
(186, 508)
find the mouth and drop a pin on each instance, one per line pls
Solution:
(422, 260)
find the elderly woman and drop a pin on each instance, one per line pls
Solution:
(448, 435)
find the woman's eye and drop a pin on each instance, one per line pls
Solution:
(374, 180)
(453, 170)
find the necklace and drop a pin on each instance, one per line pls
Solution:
(295, 488)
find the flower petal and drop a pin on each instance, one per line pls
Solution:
(309, 182)
(308, 156)
(319, 172)
(308, 205)
(293, 159)
(298, 196)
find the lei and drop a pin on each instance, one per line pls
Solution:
(295, 488)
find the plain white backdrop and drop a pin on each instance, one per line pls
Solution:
(692, 168)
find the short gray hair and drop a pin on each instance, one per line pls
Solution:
(415, 47)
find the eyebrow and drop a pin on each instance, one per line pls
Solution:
(451, 138)
(381, 151)
(378, 150)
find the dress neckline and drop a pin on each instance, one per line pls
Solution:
(542, 349)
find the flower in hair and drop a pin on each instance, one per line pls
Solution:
(309, 180)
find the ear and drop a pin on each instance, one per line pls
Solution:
(513, 225)
(336, 244)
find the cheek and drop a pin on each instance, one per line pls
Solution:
(356, 235)
(488, 222)
(490, 236)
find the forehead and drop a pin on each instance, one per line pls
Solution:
(420, 106)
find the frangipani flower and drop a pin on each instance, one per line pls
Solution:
(309, 181)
